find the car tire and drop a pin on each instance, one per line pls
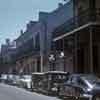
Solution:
(96, 97)
(82, 98)
(69, 98)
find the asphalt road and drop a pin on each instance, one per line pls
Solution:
(13, 93)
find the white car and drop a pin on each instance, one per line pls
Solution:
(4, 78)
(9, 79)
(25, 81)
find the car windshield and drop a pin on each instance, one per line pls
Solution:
(4, 76)
(27, 76)
(92, 79)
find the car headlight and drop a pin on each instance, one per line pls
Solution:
(89, 89)
(87, 95)
(54, 89)
(14, 82)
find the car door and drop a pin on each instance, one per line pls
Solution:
(68, 88)
(73, 88)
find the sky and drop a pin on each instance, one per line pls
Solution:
(15, 14)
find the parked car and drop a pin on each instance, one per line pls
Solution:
(12, 79)
(47, 82)
(3, 78)
(81, 85)
(9, 79)
(25, 81)
(51, 81)
(37, 81)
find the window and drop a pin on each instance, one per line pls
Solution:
(81, 83)
(74, 80)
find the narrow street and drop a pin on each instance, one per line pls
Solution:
(50, 50)
(12, 93)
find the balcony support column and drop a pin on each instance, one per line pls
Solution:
(75, 52)
(41, 63)
(91, 49)
(64, 65)
(35, 64)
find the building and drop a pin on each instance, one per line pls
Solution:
(7, 55)
(42, 29)
(40, 33)
(31, 47)
(25, 49)
(66, 39)
(55, 19)
(79, 39)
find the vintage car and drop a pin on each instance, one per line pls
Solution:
(25, 81)
(47, 82)
(52, 79)
(81, 86)
(4, 78)
(37, 81)
(9, 79)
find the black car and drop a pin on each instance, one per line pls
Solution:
(47, 82)
(81, 86)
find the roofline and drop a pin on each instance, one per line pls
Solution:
(57, 9)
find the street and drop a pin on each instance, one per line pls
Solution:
(50, 50)
(13, 93)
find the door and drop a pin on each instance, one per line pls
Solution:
(95, 59)
(80, 65)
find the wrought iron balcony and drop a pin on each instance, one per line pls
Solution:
(73, 23)
(26, 49)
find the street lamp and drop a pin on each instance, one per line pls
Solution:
(62, 56)
(52, 61)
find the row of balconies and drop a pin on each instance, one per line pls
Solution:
(27, 49)
(73, 23)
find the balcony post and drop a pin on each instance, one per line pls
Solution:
(91, 49)
(64, 65)
(75, 52)
(41, 63)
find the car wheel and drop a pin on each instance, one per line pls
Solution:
(75, 92)
(96, 97)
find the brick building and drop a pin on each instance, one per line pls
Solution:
(79, 39)
(7, 55)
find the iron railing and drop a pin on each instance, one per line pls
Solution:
(73, 23)
(26, 49)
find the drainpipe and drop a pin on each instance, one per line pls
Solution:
(91, 49)
(76, 52)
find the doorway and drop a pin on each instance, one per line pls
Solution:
(80, 59)
(95, 59)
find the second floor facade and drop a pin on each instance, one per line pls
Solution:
(66, 18)
(84, 13)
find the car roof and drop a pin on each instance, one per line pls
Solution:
(56, 72)
(82, 75)
(37, 73)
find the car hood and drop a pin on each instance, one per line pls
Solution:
(96, 88)
(25, 80)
